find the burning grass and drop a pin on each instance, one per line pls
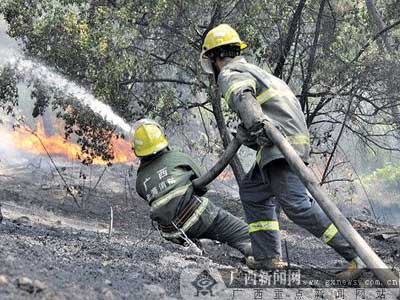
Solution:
(30, 141)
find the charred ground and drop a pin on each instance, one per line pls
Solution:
(67, 253)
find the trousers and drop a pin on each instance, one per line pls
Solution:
(276, 183)
(225, 228)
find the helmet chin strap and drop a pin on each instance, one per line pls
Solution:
(216, 71)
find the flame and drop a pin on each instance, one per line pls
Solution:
(24, 140)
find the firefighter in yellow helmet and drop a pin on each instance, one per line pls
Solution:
(257, 97)
(164, 180)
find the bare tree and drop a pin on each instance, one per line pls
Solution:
(378, 25)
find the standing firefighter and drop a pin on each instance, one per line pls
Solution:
(258, 97)
(164, 180)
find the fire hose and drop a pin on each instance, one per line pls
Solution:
(369, 257)
(224, 160)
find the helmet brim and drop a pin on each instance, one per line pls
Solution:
(142, 152)
(152, 150)
(243, 45)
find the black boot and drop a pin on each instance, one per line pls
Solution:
(1, 215)
(266, 264)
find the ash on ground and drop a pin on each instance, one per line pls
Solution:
(52, 249)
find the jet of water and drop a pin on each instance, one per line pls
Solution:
(31, 70)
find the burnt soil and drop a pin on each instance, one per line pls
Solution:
(45, 236)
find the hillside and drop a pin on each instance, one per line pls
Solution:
(67, 253)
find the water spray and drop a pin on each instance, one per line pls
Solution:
(30, 70)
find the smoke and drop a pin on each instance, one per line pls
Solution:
(9, 154)
(8, 46)
(30, 70)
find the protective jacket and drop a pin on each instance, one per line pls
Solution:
(277, 101)
(164, 180)
(272, 180)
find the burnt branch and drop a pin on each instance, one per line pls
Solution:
(294, 23)
(312, 57)
(374, 38)
(68, 188)
(161, 80)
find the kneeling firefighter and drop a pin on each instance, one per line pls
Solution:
(182, 213)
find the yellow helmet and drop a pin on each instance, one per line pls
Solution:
(148, 138)
(219, 36)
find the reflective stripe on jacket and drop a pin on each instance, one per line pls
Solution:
(189, 222)
(164, 181)
(277, 101)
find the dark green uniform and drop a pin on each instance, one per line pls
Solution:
(164, 181)
(271, 177)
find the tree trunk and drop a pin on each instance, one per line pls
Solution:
(311, 60)
(377, 25)
(294, 22)
(235, 163)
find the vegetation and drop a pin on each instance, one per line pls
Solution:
(389, 176)
(141, 57)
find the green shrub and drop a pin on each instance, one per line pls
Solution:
(389, 175)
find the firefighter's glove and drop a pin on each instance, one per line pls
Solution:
(244, 137)
(258, 133)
